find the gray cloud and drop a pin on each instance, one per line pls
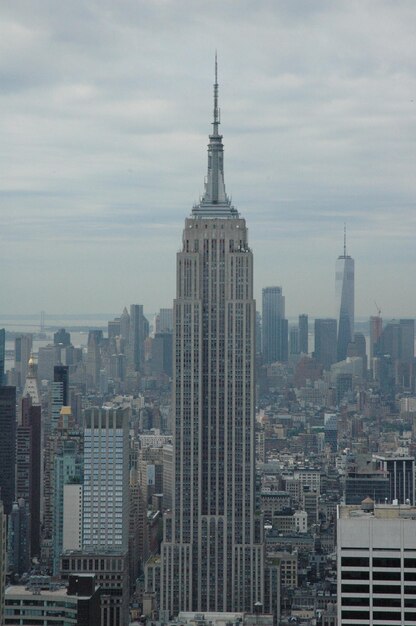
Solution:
(105, 110)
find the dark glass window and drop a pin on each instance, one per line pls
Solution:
(356, 615)
(355, 561)
(393, 617)
(385, 562)
(390, 589)
(354, 575)
(386, 575)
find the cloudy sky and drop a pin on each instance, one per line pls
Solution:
(105, 108)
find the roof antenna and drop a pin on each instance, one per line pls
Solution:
(345, 240)
(216, 110)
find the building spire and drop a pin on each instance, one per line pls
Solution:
(215, 202)
(216, 121)
(345, 239)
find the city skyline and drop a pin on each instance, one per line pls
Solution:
(103, 148)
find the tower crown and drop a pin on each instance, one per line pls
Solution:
(215, 202)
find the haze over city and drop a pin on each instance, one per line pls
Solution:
(106, 111)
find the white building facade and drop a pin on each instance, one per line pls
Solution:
(106, 479)
(376, 563)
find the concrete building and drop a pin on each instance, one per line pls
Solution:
(213, 520)
(106, 479)
(72, 517)
(45, 603)
(111, 571)
(401, 474)
(376, 563)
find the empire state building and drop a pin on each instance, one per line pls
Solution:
(212, 550)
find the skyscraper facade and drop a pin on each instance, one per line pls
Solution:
(22, 351)
(376, 563)
(212, 550)
(7, 446)
(344, 292)
(303, 334)
(2, 354)
(106, 479)
(275, 327)
(326, 342)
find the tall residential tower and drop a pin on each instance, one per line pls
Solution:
(212, 551)
(344, 292)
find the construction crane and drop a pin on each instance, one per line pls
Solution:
(378, 309)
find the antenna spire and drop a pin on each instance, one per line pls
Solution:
(216, 121)
(345, 239)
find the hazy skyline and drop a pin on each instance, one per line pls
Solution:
(105, 112)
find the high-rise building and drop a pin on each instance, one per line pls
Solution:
(2, 559)
(18, 550)
(294, 340)
(67, 469)
(326, 342)
(95, 338)
(138, 334)
(106, 479)
(376, 328)
(344, 291)
(125, 325)
(407, 340)
(61, 375)
(162, 354)
(275, 326)
(212, 555)
(303, 334)
(48, 357)
(62, 338)
(22, 352)
(164, 321)
(376, 563)
(7, 446)
(2, 354)
(28, 468)
(401, 474)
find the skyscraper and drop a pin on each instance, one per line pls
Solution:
(22, 351)
(326, 342)
(275, 327)
(344, 292)
(106, 479)
(137, 336)
(376, 562)
(303, 334)
(212, 550)
(2, 353)
(7, 446)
